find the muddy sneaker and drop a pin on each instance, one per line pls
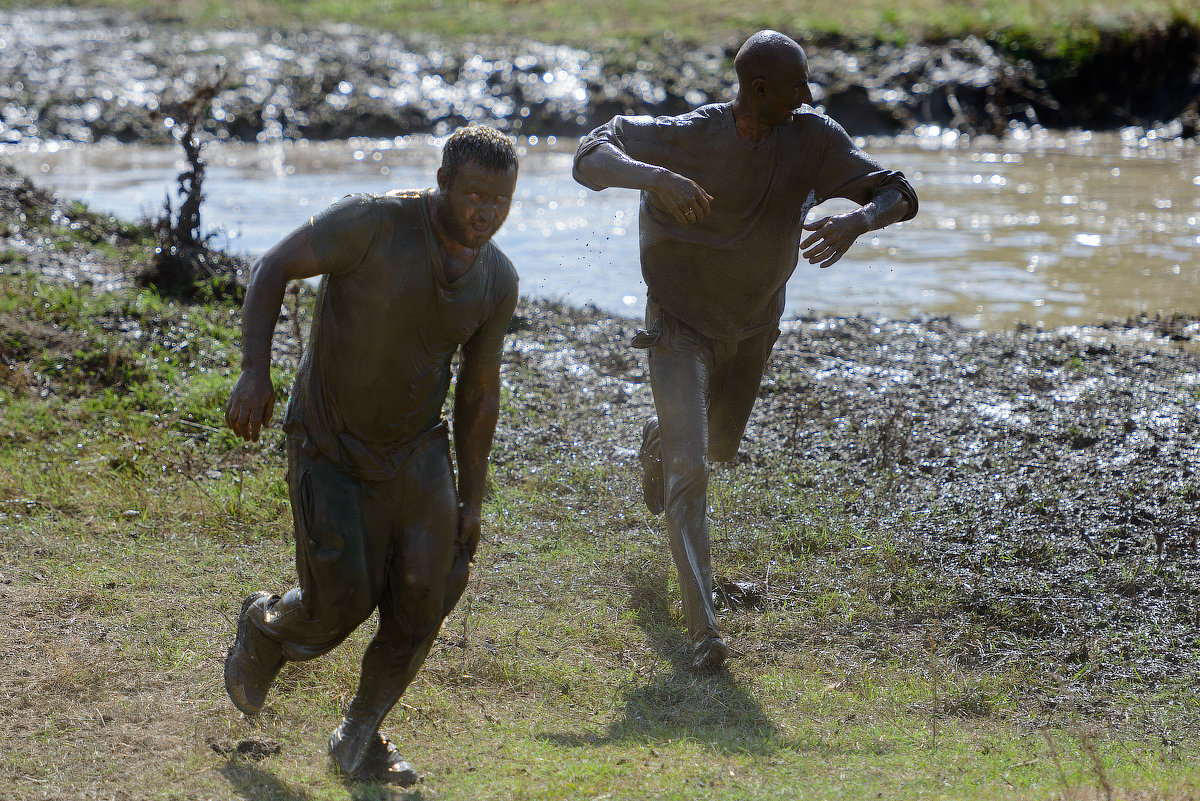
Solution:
(381, 762)
(650, 455)
(709, 656)
(253, 661)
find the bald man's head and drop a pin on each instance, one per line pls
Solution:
(765, 53)
(772, 75)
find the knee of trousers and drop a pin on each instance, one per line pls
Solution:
(346, 615)
(416, 612)
(402, 639)
(456, 585)
(687, 477)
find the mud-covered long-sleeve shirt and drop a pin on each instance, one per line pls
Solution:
(386, 324)
(725, 275)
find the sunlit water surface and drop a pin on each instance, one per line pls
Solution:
(1050, 229)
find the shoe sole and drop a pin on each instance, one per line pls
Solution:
(238, 640)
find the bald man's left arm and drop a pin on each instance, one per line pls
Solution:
(832, 236)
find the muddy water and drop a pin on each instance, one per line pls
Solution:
(1050, 229)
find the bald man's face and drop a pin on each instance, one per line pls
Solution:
(783, 91)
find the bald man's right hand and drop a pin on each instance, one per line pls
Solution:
(681, 197)
(250, 405)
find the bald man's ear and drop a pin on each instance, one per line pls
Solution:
(758, 86)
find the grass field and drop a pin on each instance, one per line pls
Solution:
(1054, 26)
(132, 524)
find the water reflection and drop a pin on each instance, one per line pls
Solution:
(1045, 229)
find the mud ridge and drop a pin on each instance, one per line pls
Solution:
(85, 76)
(1040, 484)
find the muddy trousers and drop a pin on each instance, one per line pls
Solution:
(704, 391)
(361, 545)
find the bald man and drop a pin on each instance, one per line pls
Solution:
(725, 192)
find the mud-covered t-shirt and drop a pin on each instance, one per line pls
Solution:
(376, 369)
(725, 275)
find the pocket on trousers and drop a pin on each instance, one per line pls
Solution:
(648, 337)
(332, 512)
(304, 496)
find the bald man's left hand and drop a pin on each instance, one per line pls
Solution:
(832, 237)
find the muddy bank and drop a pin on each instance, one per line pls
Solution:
(45, 234)
(1042, 486)
(85, 76)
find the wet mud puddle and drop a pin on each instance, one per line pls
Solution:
(1050, 229)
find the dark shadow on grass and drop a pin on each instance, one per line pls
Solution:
(256, 784)
(377, 791)
(710, 707)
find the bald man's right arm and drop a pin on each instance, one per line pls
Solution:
(607, 165)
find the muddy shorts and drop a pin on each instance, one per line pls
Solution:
(703, 382)
(362, 545)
